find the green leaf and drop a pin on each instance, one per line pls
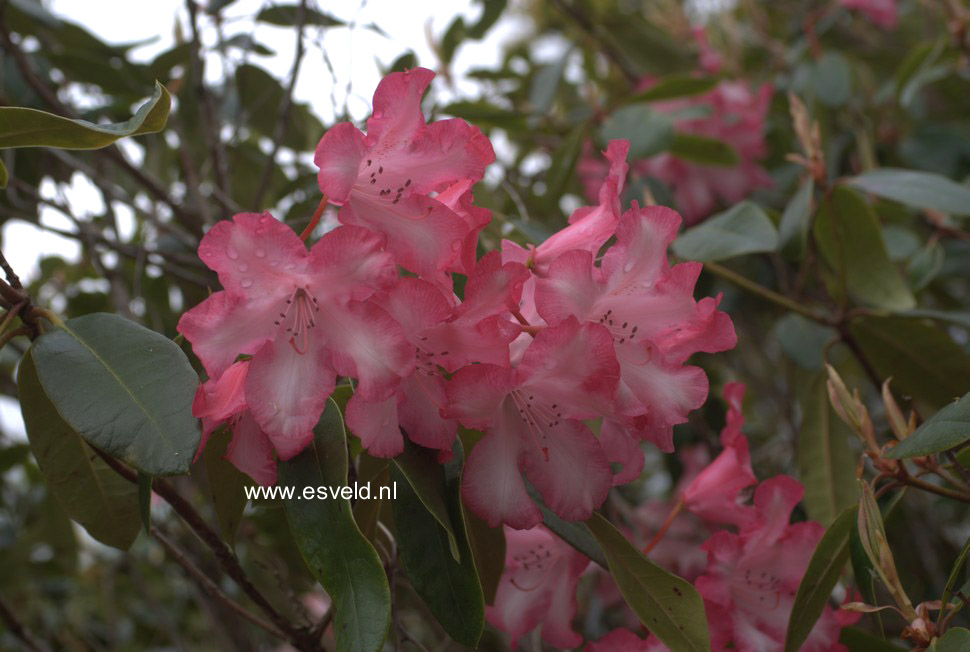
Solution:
(946, 429)
(832, 79)
(820, 578)
(483, 114)
(925, 265)
(488, 547)
(426, 477)
(667, 605)
(704, 150)
(449, 587)
(795, 220)
(145, 500)
(124, 388)
(649, 132)
(333, 547)
(571, 532)
(849, 238)
(803, 340)
(742, 229)
(951, 582)
(22, 127)
(923, 360)
(858, 640)
(288, 16)
(564, 162)
(227, 484)
(4, 176)
(956, 639)
(923, 190)
(950, 316)
(544, 85)
(825, 462)
(92, 494)
(676, 86)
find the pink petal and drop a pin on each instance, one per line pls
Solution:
(621, 448)
(486, 341)
(444, 152)
(226, 325)
(397, 107)
(492, 288)
(251, 452)
(375, 423)
(367, 344)
(420, 412)
(640, 252)
(287, 390)
(350, 263)
(574, 477)
(475, 394)
(339, 156)
(251, 253)
(416, 305)
(223, 397)
(423, 234)
(458, 197)
(492, 485)
(569, 288)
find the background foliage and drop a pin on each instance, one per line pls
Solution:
(852, 252)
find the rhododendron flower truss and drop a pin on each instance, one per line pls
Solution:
(752, 577)
(531, 416)
(303, 316)
(444, 338)
(386, 180)
(654, 323)
(538, 587)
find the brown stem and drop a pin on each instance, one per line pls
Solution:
(666, 526)
(301, 637)
(283, 120)
(209, 587)
(18, 630)
(317, 214)
(904, 477)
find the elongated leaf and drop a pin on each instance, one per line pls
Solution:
(917, 189)
(820, 578)
(949, 316)
(338, 555)
(22, 127)
(124, 388)
(858, 640)
(488, 546)
(483, 114)
(449, 587)
(923, 360)
(288, 16)
(667, 605)
(92, 494)
(947, 428)
(227, 485)
(951, 581)
(793, 228)
(825, 462)
(676, 86)
(575, 534)
(649, 132)
(850, 240)
(704, 150)
(742, 229)
(956, 639)
(426, 477)
(4, 177)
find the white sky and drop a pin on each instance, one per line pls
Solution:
(355, 55)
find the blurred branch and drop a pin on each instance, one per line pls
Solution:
(283, 120)
(209, 587)
(301, 637)
(209, 122)
(594, 32)
(18, 630)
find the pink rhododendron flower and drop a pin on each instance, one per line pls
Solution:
(385, 180)
(531, 416)
(223, 401)
(302, 315)
(713, 494)
(733, 113)
(537, 587)
(444, 338)
(655, 324)
(623, 640)
(881, 12)
(709, 59)
(752, 577)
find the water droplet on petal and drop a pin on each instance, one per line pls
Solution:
(456, 245)
(628, 267)
(231, 252)
(247, 283)
(289, 266)
(261, 253)
(243, 267)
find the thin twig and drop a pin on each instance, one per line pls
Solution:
(18, 630)
(210, 587)
(594, 32)
(283, 120)
(211, 130)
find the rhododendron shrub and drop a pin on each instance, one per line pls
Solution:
(634, 326)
